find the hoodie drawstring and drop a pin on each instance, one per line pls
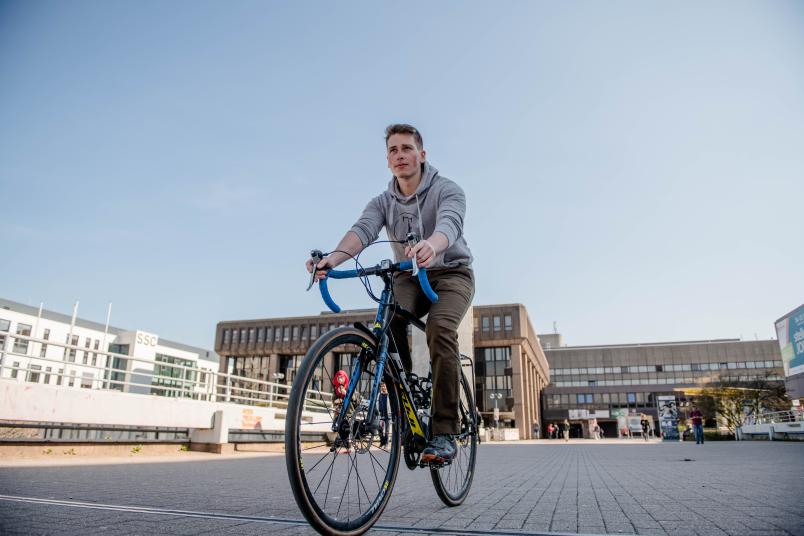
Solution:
(419, 210)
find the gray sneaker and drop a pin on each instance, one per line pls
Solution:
(440, 449)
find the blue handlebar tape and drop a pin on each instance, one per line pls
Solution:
(423, 281)
(322, 285)
(425, 284)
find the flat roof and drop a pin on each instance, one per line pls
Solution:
(203, 353)
(647, 344)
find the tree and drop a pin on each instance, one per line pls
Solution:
(733, 401)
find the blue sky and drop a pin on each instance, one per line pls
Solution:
(634, 171)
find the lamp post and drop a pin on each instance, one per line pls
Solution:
(277, 376)
(496, 397)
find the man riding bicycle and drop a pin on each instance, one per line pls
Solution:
(422, 202)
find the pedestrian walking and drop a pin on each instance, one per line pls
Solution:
(550, 431)
(566, 430)
(382, 403)
(535, 429)
(643, 422)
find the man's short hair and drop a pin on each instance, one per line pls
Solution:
(402, 128)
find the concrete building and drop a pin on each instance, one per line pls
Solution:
(601, 382)
(508, 358)
(82, 365)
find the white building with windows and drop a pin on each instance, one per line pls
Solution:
(46, 347)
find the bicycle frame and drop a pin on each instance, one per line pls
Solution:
(386, 310)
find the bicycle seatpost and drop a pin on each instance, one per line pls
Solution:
(412, 240)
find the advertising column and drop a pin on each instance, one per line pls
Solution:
(668, 417)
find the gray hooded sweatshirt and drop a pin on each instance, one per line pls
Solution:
(437, 205)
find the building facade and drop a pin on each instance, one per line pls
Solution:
(76, 358)
(598, 383)
(508, 358)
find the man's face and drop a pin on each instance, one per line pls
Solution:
(404, 157)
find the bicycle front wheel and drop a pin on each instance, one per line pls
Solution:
(341, 480)
(452, 482)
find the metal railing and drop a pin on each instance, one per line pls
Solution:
(774, 417)
(153, 377)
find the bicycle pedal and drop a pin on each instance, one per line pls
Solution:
(434, 464)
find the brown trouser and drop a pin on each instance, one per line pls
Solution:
(455, 288)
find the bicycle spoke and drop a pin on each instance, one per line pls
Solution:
(329, 470)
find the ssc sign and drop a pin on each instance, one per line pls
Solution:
(147, 339)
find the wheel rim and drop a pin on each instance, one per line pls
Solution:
(456, 478)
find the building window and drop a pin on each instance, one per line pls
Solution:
(174, 376)
(5, 325)
(71, 381)
(632, 398)
(286, 333)
(116, 375)
(86, 380)
(295, 333)
(60, 376)
(304, 333)
(243, 335)
(21, 346)
(495, 361)
(509, 325)
(288, 365)
(48, 370)
(71, 351)
(15, 369)
(314, 332)
(269, 334)
(33, 373)
(496, 323)
(95, 355)
(227, 334)
(235, 336)
(87, 344)
(252, 335)
(261, 335)
(485, 323)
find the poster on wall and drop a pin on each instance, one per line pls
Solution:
(790, 334)
(668, 417)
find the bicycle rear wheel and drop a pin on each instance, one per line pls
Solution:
(341, 480)
(452, 482)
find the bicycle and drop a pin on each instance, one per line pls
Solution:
(326, 478)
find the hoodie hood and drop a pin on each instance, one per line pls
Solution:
(428, 173)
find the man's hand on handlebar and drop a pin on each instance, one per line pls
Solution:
(322, 267)
(424, 252)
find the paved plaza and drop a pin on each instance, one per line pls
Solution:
(749, 488)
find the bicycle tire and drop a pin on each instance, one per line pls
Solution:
(350, 456)
(452, 482)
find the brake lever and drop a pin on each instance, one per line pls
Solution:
(317, 257)
(413, 239)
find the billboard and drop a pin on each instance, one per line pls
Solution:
(790, 333)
